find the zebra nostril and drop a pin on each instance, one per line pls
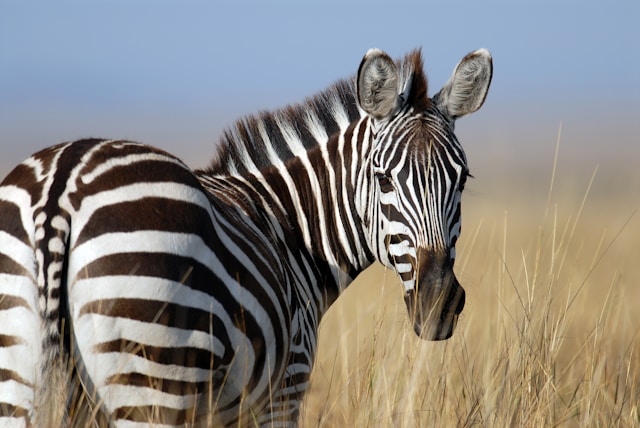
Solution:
(460, 297)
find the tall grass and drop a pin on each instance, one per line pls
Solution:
(549, 336)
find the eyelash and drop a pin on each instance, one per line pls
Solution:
(463, 180)
(384, 182)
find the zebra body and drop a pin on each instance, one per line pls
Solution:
(195, 296)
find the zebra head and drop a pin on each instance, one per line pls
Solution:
(414, 176)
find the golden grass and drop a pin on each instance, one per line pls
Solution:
(549, 335)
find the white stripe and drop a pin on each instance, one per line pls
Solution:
(116, 396)
(127, 160)
(19, 286)
(241, 150)
(397, 228)
(19, 320)
(291, 137)
(16, 394)
(22, 361)
(60, 223)
(339, 114)
(19, 252)
(401, 249)
(316, 129)
(21, 357)
(9, 422)
(114, 364)
(56, 245)
(403, 267)
(100, 328)
(139, 287)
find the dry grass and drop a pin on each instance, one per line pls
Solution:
(549, 336)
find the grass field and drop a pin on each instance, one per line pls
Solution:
(549, 335)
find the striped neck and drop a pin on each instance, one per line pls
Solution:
(316, 195)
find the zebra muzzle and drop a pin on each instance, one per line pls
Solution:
(435, 313)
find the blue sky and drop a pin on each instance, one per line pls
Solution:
(174, 74)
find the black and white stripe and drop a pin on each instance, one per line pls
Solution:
(195, 297)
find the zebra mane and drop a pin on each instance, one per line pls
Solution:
(269, 137)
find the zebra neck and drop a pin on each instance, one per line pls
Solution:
(316, 195)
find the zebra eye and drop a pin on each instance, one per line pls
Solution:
(463, 180)
(384, 182)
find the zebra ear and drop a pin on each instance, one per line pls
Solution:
(377, 85)
(467, 88)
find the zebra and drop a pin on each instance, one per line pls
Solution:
(194, 297)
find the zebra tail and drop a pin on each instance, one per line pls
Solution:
(51, 256)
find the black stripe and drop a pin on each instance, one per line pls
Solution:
(11, 222)
(180, 356)
(10, 266)
(7, 340)
(16, 412)
(153, 311)
(149, 213)
(144, 171)
(8, 301)
(9, 375)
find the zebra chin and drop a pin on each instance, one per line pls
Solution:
(434, 310)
